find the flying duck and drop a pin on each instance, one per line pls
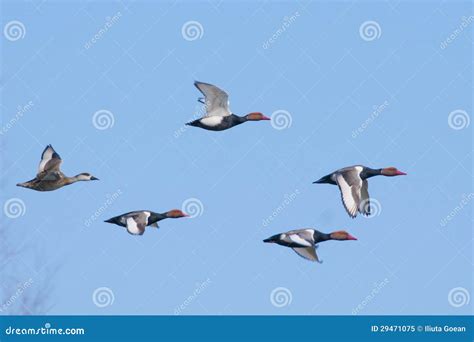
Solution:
(136, 221)
(49, 176)
(352, 182)
(219, 117)
(305, 241)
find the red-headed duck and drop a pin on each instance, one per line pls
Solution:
(136, 221)
(219, 117)
(352, 182)
(305, 241)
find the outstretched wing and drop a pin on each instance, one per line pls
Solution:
(364, 206)
(349, 183)
(308, 253)
(136, 223)
(50, 161)
(300, 237)
(216, 100)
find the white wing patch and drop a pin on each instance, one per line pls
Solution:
(45, 158)
(147, 215)
(350, 203)
(299, 240)
(132, 227)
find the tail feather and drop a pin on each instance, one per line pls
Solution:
(272, 239)
(193, 123)
(24, 185)
(325, 179)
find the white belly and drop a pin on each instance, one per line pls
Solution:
(212, 120)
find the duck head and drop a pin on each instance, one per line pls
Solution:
(175, 213)
(391, 171)
(341, 235)
(85, 177)
(256, 116)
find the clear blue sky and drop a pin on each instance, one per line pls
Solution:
(321, 70)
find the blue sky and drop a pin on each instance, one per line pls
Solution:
(379, 96)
